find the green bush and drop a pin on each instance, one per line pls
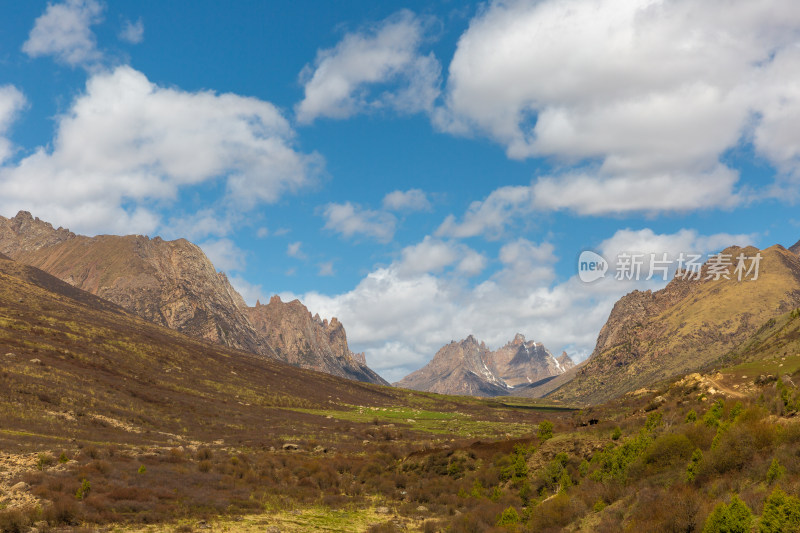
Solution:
(545, 430)
(732, 518)
(84, 489)
(714, 414)
(668, 449)
(691, 417)
(509, 517)
(775, 471)
(781, 513)
(694, 465)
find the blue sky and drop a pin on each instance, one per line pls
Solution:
(421, 170)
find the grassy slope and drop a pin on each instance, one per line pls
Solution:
(105, 376)
(107, 369)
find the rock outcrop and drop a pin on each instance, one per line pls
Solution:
(173, 283)
(310, 342)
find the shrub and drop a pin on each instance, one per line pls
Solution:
(781, 513)
(616, 434)
(668, 449)
(694, 465)
(545, 430)
(83, 490)
(691, 417)
(714, 414)
(16, 520)
(509, 517)
(44, 459)
(732, 518)
(775, 471)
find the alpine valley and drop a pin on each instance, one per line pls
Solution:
(140, 391)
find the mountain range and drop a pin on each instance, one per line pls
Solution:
(649, 337)
(468, 367)
(173, 284)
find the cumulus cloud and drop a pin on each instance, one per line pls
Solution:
(64, 31)
(410, 200)
(434, 256)
(379, 67)
(225, 255)
(126, 147)
(199, 225)
(401, 316)
(351, 220)
(651, 94)
(490, 216)
(12, 101)
(588, 194)
(132, 32)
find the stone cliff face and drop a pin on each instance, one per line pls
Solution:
(303, 340)
(173, 283)
(565, 361)
(470, 368)
(650, 336)
(458, 368)
(520, 362)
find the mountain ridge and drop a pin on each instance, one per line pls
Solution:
(652, 336)
(170, 283)
(468, 367)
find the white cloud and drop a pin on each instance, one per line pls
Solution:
(350, 220)
(386, 59)
(294, 250)
(410, 200)
(401, 316)
(434, 256)
(126, 147)
(12, 101)
(225, 255)
(490, 216)
(326, 269)
(650, 94)
(262, 233)
(132, 32)
(64, 31)
(588, 194)
(251, 293)
(431, 255)
(199, 225)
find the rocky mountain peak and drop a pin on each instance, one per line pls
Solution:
(174, 284)
(469, 367)
(303, 339)
(24, 233)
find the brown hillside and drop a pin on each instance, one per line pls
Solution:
(171, 283)
(650, 336)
